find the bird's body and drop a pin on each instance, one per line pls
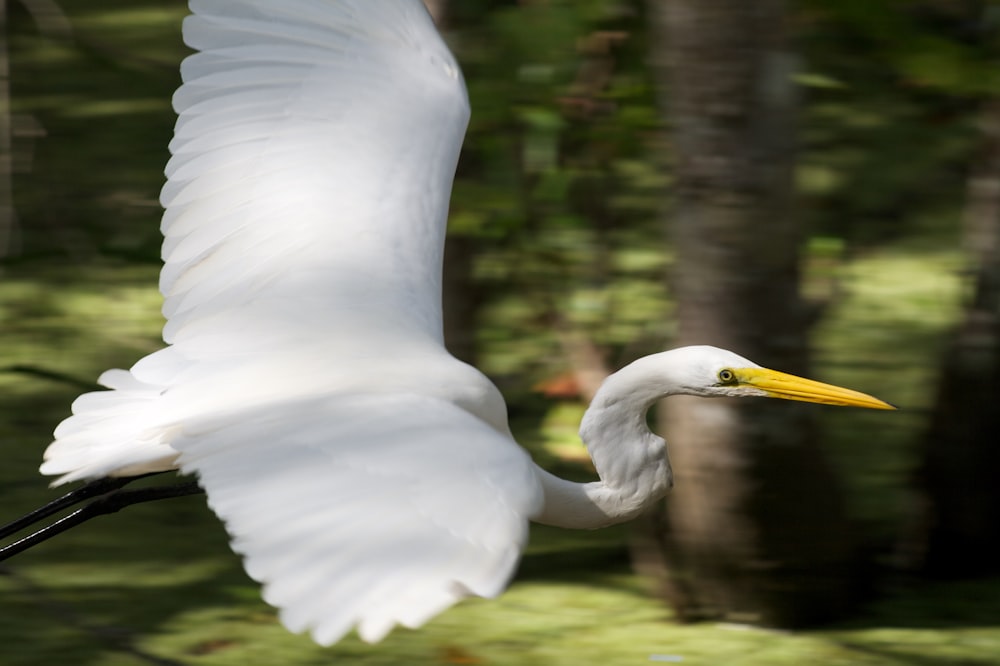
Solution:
(366, 476)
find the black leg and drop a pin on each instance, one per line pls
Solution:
(92, 489)
(110, 498)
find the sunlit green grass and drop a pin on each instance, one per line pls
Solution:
(884, 336)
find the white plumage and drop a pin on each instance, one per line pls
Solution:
(305, 213)
(366, 477)
(374, 509)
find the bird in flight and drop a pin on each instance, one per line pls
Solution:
(366, 477)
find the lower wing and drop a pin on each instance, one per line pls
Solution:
(365, 510)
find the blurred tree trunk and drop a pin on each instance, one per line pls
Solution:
(960, 535)
(755, 528)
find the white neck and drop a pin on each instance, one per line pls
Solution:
(630, 460)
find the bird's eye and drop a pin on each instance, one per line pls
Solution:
(727, 376)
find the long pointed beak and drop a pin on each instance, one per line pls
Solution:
(789, 387)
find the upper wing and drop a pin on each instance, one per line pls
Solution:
(365, 510)
(313, 154)
(305, 216)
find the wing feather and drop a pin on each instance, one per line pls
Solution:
(373, 510)
(312, 137)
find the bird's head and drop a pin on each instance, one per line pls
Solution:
(710, 371)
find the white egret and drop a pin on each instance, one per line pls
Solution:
(366, 477)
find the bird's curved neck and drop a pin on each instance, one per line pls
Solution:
(630, 460)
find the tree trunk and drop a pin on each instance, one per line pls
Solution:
(755, 528)
(960, 456)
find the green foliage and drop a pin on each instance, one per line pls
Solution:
(886, 335)
(90, 185)
(558, 177)
(892, 89)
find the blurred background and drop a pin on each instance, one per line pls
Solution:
(815, 185)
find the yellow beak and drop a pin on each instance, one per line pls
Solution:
(782, 385)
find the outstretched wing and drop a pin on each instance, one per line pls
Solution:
(306, 205)
(364, 475)
(313, 154)
(366, 510)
